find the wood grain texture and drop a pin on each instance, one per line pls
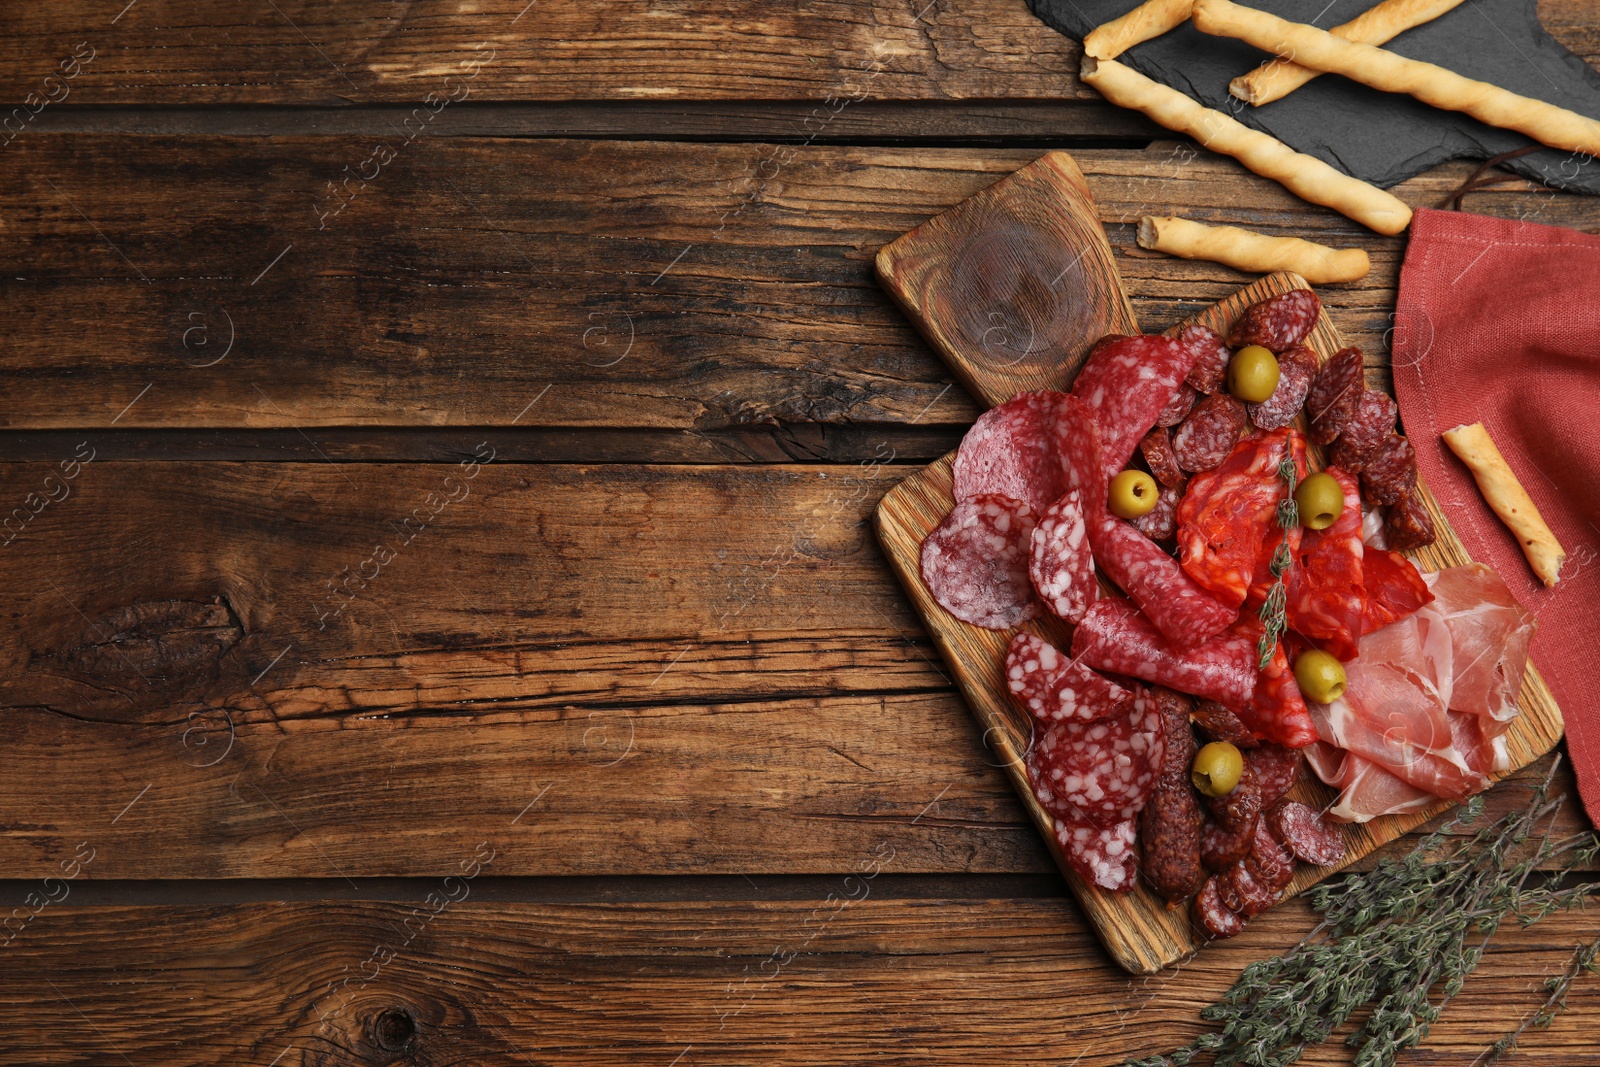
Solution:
(1012, 285)
(849, 977)
(1138, 929)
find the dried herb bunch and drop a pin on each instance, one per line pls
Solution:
(1391, 938)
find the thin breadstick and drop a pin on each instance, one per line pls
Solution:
(1320, 50)
(1150, 19)
(1306, 176)
(1277, 78)
(1251, 251)
(1509, 500)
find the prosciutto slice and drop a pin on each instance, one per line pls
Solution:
(1490, 632)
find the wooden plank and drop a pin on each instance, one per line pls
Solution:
(299, 52)
(846, 978)
(450, 291)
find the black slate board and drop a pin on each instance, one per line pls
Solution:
(1383, 138)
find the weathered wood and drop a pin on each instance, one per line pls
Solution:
(855, 976)
(301, 52)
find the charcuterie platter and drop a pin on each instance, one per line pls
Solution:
(1014, 287)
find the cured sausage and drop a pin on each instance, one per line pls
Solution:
(1326, 593)
(1390, 472)
(975, 562)
(1115, 637)
(1214, 917)
(1368, 428)
(1335, 392)
(1059, 561)
(1221, 848)
(1102, 856)
(1278, 322)
(1270, 863)
(1394, 589)
(1169, 828)
(1227, 522)
(1275, 768)
(1126, 383)
(1275, 711)
(1306, 833)
(1297, 366)
(1182, 401)
(1010, 450)
(1160, 523)
(1102, 770)
(1184, 612)
(1240, 807)
(1056, 689)
(1217, 723)
(1157, 449)
(1209, 433)
(1254, 898)
(1408, 526)
(1211, 357)
(1078, 452)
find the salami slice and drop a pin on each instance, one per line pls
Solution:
(1209, 433)
(1297, 366)
(1270, 863)
(1275, 769)
(1368, 428)
(1326, 593)
(1390, 472)
(1157, 449)
(1102, 856)
(1394, 589)
(1182, 401)
(1227, 523)
(1115, 637)
(1221, 848)
(1240, 807)
(1078, 452)
(1306, 833)
(1217, 723)
(975, 562)
(1275, 711)
(1278, 322)
(1211, 357)
(1211, 915)
(1254, 897)
(1104, 770)
(1059, 561)
(1127, 384)
(1335, 393)
(1408, 526)
(1169, 828)
(1010, 450)
(1056, 689)
(1160, 523)
(1184, 612)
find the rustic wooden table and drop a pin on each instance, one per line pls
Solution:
(442, 624)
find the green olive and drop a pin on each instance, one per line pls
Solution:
(1217, 768)
(1253, 374)
(1321, 501)
(1320, 676)
(1133, 493)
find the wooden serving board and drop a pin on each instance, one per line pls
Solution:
(1137, 928)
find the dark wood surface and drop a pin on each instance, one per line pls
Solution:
(651, 657)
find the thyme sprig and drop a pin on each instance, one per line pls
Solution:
(1390, 938)
(1274, 609)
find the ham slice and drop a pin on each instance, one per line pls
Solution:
(1490, 631)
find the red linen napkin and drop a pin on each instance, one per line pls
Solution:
(1498, 322)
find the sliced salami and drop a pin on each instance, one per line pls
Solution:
(1104, 770)
(1240, 807)
(1102, 856)
(1182, 402)
(1115, 637)
(1169, 828)
(1275, 769)
(1078, 452)
(1127, 384)
(1059, 561)
(1297, 366)
(1211, 357)
(1390, 472)
(1209, 433)
(1335, 393)
(1368, 428)
(1211, 915)
(1010, 450)
(1217, 723)
(1056, 689)
(975, 562)
(1394, 589)
(1269, 861)
(1326, 592)
(1160, 523)
(1157, 449)
(1227, 522)
(1278, 322)
(1306, 833)
(1221, 848)
(1254, 897)
(1275, 711)
(1408, 526)
(1184, 612)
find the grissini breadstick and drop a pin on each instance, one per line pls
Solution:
(1250, 251)
(1320, 50)
(1509, 500)
(1277, 78)
(1150, 19)
(1306, 176)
